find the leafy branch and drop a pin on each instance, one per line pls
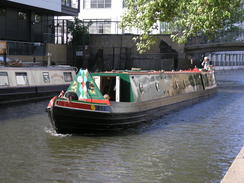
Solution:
(190, 18)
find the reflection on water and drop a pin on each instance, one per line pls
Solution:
(194, 145)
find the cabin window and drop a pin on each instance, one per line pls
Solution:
(21, 78)
(46, 77)
(68, 76)
(4, 79)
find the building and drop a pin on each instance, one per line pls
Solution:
(105, 16)
(27, 25)
(114, 45)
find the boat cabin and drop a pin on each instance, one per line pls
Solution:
(145, 85)
(131, 86)
(116, 85)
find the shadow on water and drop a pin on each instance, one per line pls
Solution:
(22, 110)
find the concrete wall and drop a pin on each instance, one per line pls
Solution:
(118, 52)
(58, 53)
(150, 60)
(111, 40)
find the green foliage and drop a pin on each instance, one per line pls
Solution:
(189, 17)
(79, 32)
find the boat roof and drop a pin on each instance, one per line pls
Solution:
(57, 67)
(143, 72)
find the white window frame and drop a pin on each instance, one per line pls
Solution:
(68, 76)
(117, 86)
(46, 77)
(87, 4)
(21, 78)
(100, 26)
(4, 80)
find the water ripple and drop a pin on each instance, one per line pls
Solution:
(195, 145)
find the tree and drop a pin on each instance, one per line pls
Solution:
(80, 38)
(189, 17)
(79, 32)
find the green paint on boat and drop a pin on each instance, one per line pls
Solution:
(85, 87)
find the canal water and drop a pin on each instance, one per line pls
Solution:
(192, 145)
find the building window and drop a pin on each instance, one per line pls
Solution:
(4, 79)
(70, 3)
(97, 3)
(68, 76)
(46, 77)
(100, 27)
(21, 78)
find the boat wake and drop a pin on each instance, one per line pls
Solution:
(52, 132)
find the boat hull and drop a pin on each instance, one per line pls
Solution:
(121, 116)
(22, 94)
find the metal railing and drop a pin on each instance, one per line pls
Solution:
(108, 27)
(227, 59)
(62, 36)
(25, 48)
(222, 37)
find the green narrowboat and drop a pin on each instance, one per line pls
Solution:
(117, 100)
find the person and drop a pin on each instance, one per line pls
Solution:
(106, 97)
(206, 64)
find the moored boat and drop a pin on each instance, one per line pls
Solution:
(18, 84)
(108, 101)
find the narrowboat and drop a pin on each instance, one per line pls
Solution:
(18, 84)
(117, 100)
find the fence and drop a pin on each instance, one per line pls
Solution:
(222, 37)
(227, 59)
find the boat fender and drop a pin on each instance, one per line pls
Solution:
(50, 104)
